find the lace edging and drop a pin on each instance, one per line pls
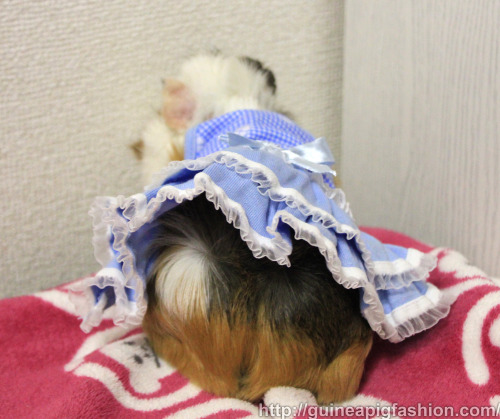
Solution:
(375, 314)
(268, 184)
(125, 312)
(138, 211)
(423, 322)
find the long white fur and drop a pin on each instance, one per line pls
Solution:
(219, 85)
(160, 143)
(182, 281)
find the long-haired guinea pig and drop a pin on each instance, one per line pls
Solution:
(207, 86)
(234, 324)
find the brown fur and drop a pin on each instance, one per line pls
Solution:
(245, 360)
(177, 154)
(138, 149)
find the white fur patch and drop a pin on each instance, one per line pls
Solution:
(224, 84)
(218, 85)
(182, 281)
(160, 145)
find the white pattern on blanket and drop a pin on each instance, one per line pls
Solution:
(113, 369)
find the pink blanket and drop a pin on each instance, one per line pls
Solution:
(51, 369)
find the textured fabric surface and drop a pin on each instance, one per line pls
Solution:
(80, 80)
(55, 370)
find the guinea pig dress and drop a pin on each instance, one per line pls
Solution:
(273, 181)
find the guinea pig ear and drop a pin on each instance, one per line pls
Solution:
(179, 104)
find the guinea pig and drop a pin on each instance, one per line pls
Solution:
(209, 85)
(237, 326)
(234, 324)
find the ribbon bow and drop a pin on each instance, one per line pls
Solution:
(314, 156)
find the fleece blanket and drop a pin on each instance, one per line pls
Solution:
(51, 369)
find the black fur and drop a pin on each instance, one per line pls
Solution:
(302, 300)
(258, 66)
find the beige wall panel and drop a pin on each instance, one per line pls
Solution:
(421, 121)
(79, 81)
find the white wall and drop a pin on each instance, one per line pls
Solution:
(421, 121)
(80, 79)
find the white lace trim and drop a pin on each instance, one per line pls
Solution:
(431, 308)
(424, 321)
(268, 184)
(137, 211)
(103, 212)
(244, 166)
(125, 312)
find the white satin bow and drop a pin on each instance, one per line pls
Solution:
(314, 156)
